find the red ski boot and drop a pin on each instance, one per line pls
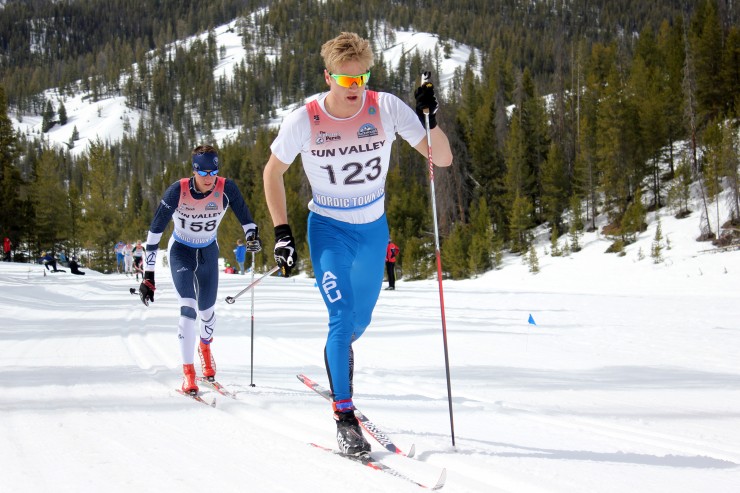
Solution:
(208, 364)
(188, 379)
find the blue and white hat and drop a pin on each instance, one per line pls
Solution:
(205, 161)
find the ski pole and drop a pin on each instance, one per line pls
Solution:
(232, 299)
(425, 79)
(251, 351)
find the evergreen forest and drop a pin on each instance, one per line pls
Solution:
(571, 110)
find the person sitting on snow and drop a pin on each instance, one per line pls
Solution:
(75, 267)
(48, 260)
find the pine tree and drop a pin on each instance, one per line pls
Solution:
(455, 258)
(47, 121)
(657, 246)
(554, 248)
(671, 47)
(50, 202)
(730, 161)
(714, 169)
(633, 220)
(554, 186)
(680, 190)
(12, 222)
(103, 205)
(613, 162)
(706, 44)
(74, 201)
(417, 259)
(520, 221)
(576, 223)
(532, 260)
(646, 88)
(135, 224)
(731, 70)
(481, 241)
(62, 114)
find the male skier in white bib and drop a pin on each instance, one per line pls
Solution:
(344, 139)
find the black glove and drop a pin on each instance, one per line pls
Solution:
(254, 244)
(425, 99)
(146, 288)
(285, 254)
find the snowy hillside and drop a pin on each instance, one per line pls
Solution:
(109, 118)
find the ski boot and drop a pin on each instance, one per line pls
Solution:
(188, 381)
(208, 364)
(349, 435)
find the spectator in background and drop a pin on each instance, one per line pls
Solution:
(6, 249)
(118, 250)
(50, 262)
(75, 267)
(63, 259)
(128, 259)
(138, 256)
(391, 254)
(229, 269)
(240, 252)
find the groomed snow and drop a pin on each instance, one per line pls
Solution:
(628, 381)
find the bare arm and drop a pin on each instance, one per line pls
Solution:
(441, 152)
(275, 190)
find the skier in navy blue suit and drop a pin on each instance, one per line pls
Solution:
(197, 206)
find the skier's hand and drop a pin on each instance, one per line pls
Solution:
(285, 254)
(146, 288)
(254, 244)
(425, 99)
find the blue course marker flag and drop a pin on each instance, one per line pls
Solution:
(531, 320)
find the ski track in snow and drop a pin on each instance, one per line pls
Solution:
(610, 392)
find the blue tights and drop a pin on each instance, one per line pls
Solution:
(348, 261)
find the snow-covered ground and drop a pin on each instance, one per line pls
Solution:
(629, 381)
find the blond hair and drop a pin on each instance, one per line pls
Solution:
(203, 149)
(347, 47)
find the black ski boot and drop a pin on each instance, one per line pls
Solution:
(349, 434)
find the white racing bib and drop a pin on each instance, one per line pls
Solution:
(196, 220)
(347, 162)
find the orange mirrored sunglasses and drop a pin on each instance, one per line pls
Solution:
(345, 80)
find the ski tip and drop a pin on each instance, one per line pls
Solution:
(319, 446)
(441, 481)
(412, 451)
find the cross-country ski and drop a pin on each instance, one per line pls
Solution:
(368, 425)
(197, 398)
(366, 459)
(215, 385)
